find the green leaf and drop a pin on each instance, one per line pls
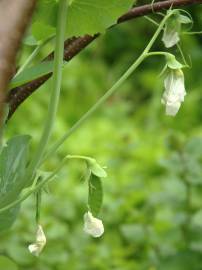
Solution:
(93, 16)
(32, 73)
(42, 31)
(8, 217)
(84, 16)
(95, 194)
(46, 12)
(13, 162)
(44, 22)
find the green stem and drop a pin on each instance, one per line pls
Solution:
(38, 206)
(111, 91)
(151, 20)
(192, 33)
(160, 53)
(56, 85)
(78, 157)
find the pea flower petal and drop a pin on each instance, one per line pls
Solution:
(40, 242)
(92, 225)
(172, 29)
(174, 91)
(170, 37)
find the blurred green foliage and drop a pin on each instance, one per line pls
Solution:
(152, 203)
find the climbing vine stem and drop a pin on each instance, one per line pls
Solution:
(56, 85)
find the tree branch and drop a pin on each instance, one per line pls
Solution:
(74, 45)
(14, 17)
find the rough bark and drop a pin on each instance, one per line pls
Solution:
(14, 17)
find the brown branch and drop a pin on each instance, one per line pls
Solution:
(14, 17)
(75, 45)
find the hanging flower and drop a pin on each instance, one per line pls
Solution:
(92, 225)
(170, 36)
(174, 91)
(172, 29)
(38, 246)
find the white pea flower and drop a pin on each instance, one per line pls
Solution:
(172, 30)
(38, 246)
(170, 37)
(174, 91)
(92, 225)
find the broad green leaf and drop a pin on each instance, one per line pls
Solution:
(44, 21)
(32, 73)
(13, 162)
(8, 217)
(95, 194)
(93, 16)
(84, 16)
(46, 12)
(42, 31)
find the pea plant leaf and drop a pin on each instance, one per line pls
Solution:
(94, 16)
(32, 73)
(46, 12)
(13, 162)
(95, 194)
(84, 17)
(8, 217)
(42, 31)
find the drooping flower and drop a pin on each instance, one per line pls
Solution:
(172, 29)
(40, 242)
(92, 225)
(174, 91)
(170, 36)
